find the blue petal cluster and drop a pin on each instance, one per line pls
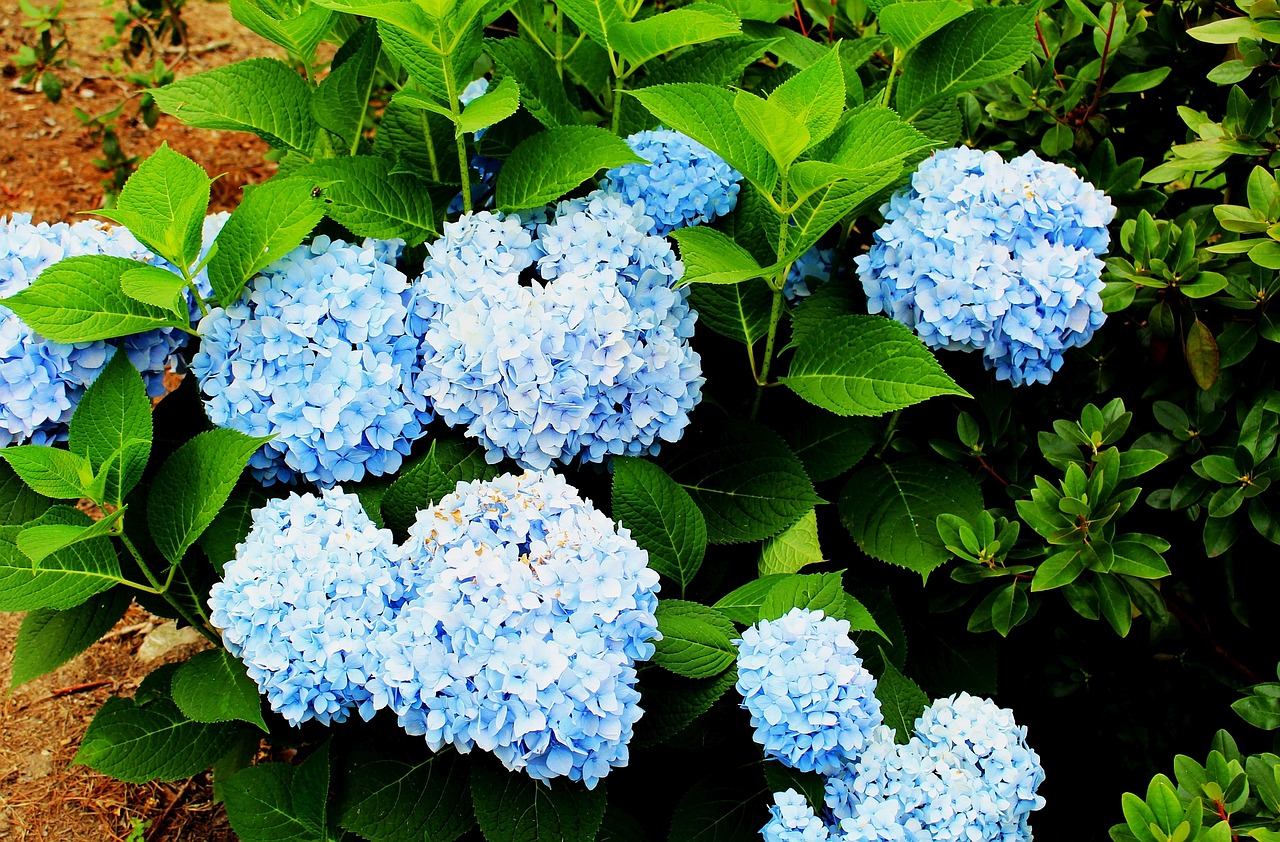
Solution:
(525, 612)
(312, 586)
(684, 183)
(814, 266)
(966, 775)
(317, 353)
(1002, 257)
(793, 820)
(559, 339)
(812, 703)
(41, 381)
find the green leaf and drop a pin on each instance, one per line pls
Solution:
(49, 471)
(718, 810)
(151, 741)
(1114, 602)
(40, 541)
(891, 510)
(214, 687)
(419, 142)
(447, 463)
(1135, 82)
(232, 523)
(270, 222)
(814, 592)
(872, 136)
(1202, 355)
(276, 802)
(163, 205)
(393, 798)
(1009, 605)
(794, 549)
(738, 311)
(743, 604)
(901, 701)
(112, 426)
(711, 257)
(193, 484)
(643, 40)
(494, 106)
(299, 34)
(63, 580)
(155, 286)
(231, 98)
(827, 204)
(1135, 558)
(829, 445)
(866, 365)
(1058, 570)
(552, 162)
(720, 63)
(597, 18)
(49, 638)
(371, 200)
(662, 517)
(706, 113)
(672, 703)
(986, 44)
(1226, 31)
(513, 807)
(695, 639)
(783, 136)
(18, 503)
(907, 24)
(746, 481)
(541, 89)
(814, 96)
(79, 299)
(341, 99)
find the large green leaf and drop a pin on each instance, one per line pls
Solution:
(718, 63)
(391, 798)
(79, 299)
(299, 34)
(745, 480)
(50, 471)
(986, 44)
(418, 142)
(891, 510)
(163, 205)
(901, 701)
(276, 802)
(907, 24)
(793, 549)
(371, 201)
(643, 40)
(695, 639)
(866, 365)
(738, 311)
(541, 90)
(597, 18)
(49, 638)
(448, 462)
(552, 162)
(112, 426)
(813, 592)
(513, 807)
(234, 98)
(151, 740)
(214, 687)
(270, 222)
(341, 99)
(193, 484)
(743, 604)
(671, 703)
(829, 445)
(871, 136)
(18, 502)
(232, 523)
(63, 580)
(662, 517)
(814, 96)
(706, 113)
(711, 257)
(719, 811)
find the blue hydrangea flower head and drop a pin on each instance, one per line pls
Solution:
(683, 183)
(526, 610)
(791, 819)
(812, 703)
(317, 352)
(41, 381)
(589, 359)
(966, 775)
(811, 268)
(312, 587)
(993, 256)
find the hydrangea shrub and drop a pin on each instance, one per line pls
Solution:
(569, 441)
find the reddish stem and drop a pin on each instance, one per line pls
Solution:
(1102, 68)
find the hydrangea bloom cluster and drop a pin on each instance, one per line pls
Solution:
(966, 774)
(1002, 257)
(814, 266)
(526, 610)
(317, 353)
(41, 381)
(313, 584)
(684, 183)
(589, 359)
(812, 703)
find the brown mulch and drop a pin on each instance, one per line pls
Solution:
(47, 170)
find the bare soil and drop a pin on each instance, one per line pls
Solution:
(47, 170)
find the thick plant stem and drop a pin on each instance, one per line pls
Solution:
(163, 590)
(898, 55)
(617, 105)
(775, 316)
(464, 170)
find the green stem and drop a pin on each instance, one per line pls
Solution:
(463, 169)
(617, 99)
(888, 432)
(142, 565)
(163, 590)
(775, 316)
(898, 56)
(560, 56)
